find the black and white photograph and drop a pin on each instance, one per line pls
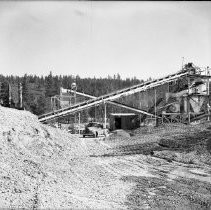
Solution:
(105, 105)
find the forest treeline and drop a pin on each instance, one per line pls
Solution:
(37, 90)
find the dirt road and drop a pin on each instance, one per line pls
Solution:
(125, 182)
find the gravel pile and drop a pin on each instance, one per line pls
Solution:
(27, 150)
(44, 167)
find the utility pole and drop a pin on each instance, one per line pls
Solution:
(208, 94)
(10, 95)
(20, 96)
(74, 88)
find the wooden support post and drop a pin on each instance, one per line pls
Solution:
(74, 87)
(168, 88)
(105, 116)
(188, 101)
(60, 98)
(208, 94)
(95, 114)
(155, 107)
(79, 122)
(51, 104)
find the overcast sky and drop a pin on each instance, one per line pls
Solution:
(90, 39)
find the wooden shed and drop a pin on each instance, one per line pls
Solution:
(126, 121)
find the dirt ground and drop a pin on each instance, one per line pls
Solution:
(167, 167)
(179, 157)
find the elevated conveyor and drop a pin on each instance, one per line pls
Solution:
(112, 96)
(117, 104)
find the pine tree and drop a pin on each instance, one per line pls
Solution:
(49, 85)
(26, 99)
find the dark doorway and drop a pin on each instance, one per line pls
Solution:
(118, 123)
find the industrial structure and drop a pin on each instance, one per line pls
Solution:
(180, 97)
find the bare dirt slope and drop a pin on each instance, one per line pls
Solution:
(42, 167)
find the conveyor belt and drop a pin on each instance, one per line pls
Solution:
(111, 96)
(117, 104)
